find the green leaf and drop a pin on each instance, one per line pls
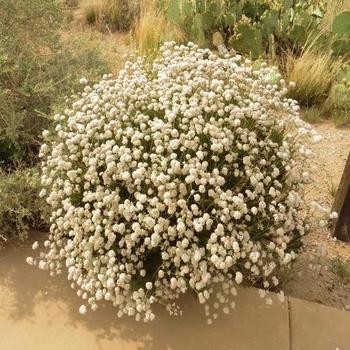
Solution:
(250, 9)
(341, 47)
(187, 9)
(344, 73)
(215, 9)
(197, 30)
(200, 6)
(230, 19)
(174, 13)
(248, 41)
(254, 9)
(207, 21)
(285, 20)
(304, 19)
(341, 24)
(270, 23)
(236, 9)
(287, 4)
(298, 34)
(340, 95)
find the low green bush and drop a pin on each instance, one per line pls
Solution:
(312, 115)
(20, 205)
(39, 67)
(28, 40)
(112, 15)
(337, 104)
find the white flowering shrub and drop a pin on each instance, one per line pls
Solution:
(185, 174)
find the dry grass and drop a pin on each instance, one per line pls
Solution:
(312, 115)
(313, 73)
(111, 15)
(153, 28)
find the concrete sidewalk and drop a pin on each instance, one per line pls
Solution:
(41, 313)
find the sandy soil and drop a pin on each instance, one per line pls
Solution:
(310, 282)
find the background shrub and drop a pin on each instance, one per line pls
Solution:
(20, 205)
(37, 70)
(152, 29)
(313, 72)
(111, 14)
(39, 66)
(28, 39)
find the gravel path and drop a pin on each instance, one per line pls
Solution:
(318, 282)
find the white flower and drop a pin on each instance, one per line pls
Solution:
(239, 277)
(82, 309)
(30, 260)
(333, 215)
(35, 245)
(83, 81)
(172, 177)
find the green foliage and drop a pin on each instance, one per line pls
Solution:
(28, 39)
(112, 15)
(338, 100)
(340, 268)
(37, 70)
(247, 40)
(341, 24)
(333, 189)
(71, 3)
(81, 55)
(250, 26)
(20, 205)
(195, 18)
(341, 32)
(312, 115)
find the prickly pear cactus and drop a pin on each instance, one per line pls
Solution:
(341, 31)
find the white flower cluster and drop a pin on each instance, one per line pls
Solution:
(185, 174)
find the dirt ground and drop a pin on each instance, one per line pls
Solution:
(315, 276)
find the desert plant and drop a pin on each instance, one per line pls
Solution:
(250, 27)
(20, 205)
(71, 3)
(313, 72)
(38, 68)
(332, 9)
(28, 38)
(111, 14)
(312, 115)
(337, 104)
(332, 189)
(178, 175)
(153, 28)
(36, 72)
(340, 268)
(341, 34)
(82, 54)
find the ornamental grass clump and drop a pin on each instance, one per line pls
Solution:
(181, 175)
